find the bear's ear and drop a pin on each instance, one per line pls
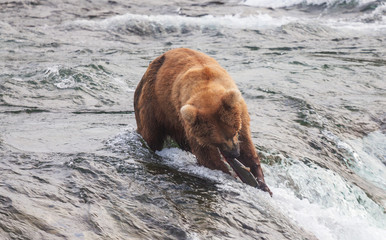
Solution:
(189, 113)
(231, 98)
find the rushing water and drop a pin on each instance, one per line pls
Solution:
(73, 167)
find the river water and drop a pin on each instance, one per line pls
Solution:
(73, 167)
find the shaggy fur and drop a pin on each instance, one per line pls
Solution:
(188, 96)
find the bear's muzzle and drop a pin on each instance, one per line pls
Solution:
(231, 152)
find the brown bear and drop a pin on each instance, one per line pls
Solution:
(188, 96)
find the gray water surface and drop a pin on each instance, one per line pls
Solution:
(73, 167)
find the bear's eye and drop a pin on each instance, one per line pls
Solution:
(231, 136)
(236, 135)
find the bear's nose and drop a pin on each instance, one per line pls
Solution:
(235, 153)
(232, 153)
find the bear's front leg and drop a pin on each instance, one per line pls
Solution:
(248, 156)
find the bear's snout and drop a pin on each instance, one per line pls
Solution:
(233, 152)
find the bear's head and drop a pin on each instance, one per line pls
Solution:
(218, 127)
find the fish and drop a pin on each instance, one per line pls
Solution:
(244, 174)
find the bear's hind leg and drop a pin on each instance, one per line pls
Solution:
(152, 132)
(154, 140)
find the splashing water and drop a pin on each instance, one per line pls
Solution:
(73, 167)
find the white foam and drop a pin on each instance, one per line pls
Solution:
(186, 162)
(367, 156)
(327, 223)
(52, 70)
(325, 204)
(372, 23)
(316, 199)
(289, 3)
(377, 16)
(173, 22)
(66, 83)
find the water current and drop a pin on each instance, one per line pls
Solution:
(73, 167)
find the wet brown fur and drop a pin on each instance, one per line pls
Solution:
(215, 117)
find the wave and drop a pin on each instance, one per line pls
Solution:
(378, 15)
(322, 3)
(318, 199)
(175, 24)
(367, 156)
(366, 11)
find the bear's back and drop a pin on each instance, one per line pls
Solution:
(186, 72)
